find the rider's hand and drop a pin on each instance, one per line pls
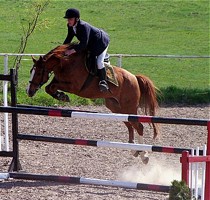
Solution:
(69, 52)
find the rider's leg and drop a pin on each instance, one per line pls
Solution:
(103, 86)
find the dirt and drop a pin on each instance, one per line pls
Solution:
(98, 162)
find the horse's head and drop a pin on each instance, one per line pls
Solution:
(55, 61)
(39, 76)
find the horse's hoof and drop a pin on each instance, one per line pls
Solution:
(144, 156)
(135, 153)
(63, 97)
(145, 160)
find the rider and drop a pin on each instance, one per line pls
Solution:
(95, 40)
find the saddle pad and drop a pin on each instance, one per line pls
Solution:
(111, 77)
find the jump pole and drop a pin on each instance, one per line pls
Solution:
(52, 108)
(102, 116)
(82, 180)
(109, 144)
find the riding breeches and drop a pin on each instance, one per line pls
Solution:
(100, 59)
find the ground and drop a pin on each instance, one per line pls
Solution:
(95, 162)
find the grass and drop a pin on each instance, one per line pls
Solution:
(135, 27)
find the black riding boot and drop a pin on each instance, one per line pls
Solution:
(103, 86)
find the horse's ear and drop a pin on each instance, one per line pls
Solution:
(34, 60)
(41, 58)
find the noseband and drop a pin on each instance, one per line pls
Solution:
(38, 85)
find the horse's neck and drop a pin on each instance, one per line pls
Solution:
(75, 69)
(80, 68)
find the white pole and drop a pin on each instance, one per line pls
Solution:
(196, 174)
(101, 116)
(203, 174)
(4, 176)
(5, 89)
(131, 185)
(191, 174)
(127, 146)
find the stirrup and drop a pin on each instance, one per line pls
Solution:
(103, 86)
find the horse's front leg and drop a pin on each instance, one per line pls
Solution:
(52, 90)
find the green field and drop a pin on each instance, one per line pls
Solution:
(159, 27)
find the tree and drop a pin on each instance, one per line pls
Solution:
(35, 10)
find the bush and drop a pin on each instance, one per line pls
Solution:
(179, 191)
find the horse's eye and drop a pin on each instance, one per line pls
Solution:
(39, 73)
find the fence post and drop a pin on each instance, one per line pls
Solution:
(15, 164)
(5, 88)
(185, 166)
(119, 61)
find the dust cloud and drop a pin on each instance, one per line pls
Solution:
(154, 172)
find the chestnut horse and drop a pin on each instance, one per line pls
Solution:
(70, 75)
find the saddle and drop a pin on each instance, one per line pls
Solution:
(91, 66)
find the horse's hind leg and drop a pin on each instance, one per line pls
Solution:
(139, 129)
(130, 131)
(144, 154)
(131, 140)
(114, 106)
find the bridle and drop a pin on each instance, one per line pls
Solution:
(42, 72)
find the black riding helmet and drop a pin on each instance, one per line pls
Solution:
(71, 13)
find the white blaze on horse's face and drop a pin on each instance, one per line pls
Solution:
(32, 74)
(30, 81)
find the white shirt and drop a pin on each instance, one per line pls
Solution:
(75, 28)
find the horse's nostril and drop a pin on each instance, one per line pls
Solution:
(30, 93)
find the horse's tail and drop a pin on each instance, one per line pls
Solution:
(148, 100)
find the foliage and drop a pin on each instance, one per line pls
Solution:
(172, 95)
(34, 14)
(179, 191)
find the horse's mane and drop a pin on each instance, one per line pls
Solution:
(59, 51)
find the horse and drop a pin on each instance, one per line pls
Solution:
(71, 75)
